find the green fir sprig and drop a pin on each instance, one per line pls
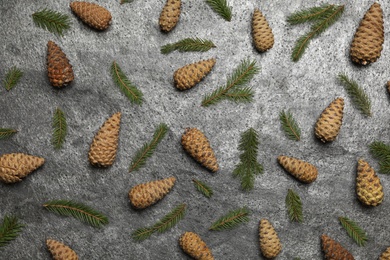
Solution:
(381, 151)
(310, 15)
(231, 220)
(166, 223)
(248, 167)
(290, 125)
(294, 206)
(203, 188)
(59, 128)
(9, 230)
(7, 132)
(12, 77)
(354, 231)
(126, 1)
(188, 45)
(127, 87)
(222, 8)
(52, 21)
(234, 90)
(77, 210)
(147, 149)
(356, 93)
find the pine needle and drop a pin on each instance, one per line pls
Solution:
(147, 150)
(9, 230)
(142, 233)
(381, 151)
(52, 21)
(188, 45)
(309, 15)
(77, 210)
(7, 132)
(232, 90)
(59, 128)
(231, 220)
(248, 167)
(354, 231)
(12, 78)
(290, 126)
(203, 188)
(358, 96)
(130, 90)
(222, 8)
(294, 206)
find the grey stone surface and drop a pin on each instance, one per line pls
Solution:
(134, 40)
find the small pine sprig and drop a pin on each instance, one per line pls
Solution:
(234, 90)
(77, 210)
(231, 220)
(59, 128)
(290, 125)
(248, 167)
(381, 151)
(203, 188)
(125, 1)
(9, 230)
(52, 21)
(127, 87)
(294, 206)
(310, 14)
(354, 231)
(12, 78)
(147, 149)
(188, 45)
(356, 93)
(7, 132)
(222, 8)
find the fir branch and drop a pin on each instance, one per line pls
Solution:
(294, 206)
(125, 1)
(187, 45)
(59, 128)
(12, 78)
(142, 233)
(127, 87)
(381, 151)
(290, 126)
(7, 132)
(203, 188)
(147, 150)
(231, 219)
(309, 15)
(248, 167)
(354, 231)
(241, 76)
(357, 94)
(222, 8)
(52, 21)
(9, 230)
(77, 210)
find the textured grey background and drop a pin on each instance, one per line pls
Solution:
(134, 40)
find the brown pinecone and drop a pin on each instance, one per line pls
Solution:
(146, 194)
(261, 32)
(104, 146)
(59, 70)
(170, 15)
(270, 245)
(198, 147)
(388, 86)
(333, 250)
(59, 251)
(15, 166)
(367, 43)
(303, 171)
(188, 76)
(385, 255)
(92, 14)
(193, 245)
(368, 185)
(329, 123)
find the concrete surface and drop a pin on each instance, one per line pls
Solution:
(134, 40)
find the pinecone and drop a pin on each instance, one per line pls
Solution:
(59, 251)
(198, 147)
(261, 32)
(146, 194)
(170, 15)
(368, 185)
(385, 255)
(388, 86)
(15, 166)
(329, 123)
(367, 43)
(303, 171)
(333, 250)
(104, 146)
(188, 76)
(193, 245)
(92, 14)
(270, 245)
(59, 70)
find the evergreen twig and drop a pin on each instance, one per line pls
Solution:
(52, 21)
(222, 8)
(59, 128)
(9, 230)
(231, 219)
(7, 132)
(290, 126)
(126, 1)
(294, 206)
(381, 151)
(188, 45)
(354, 231)
(203, 188)
(12, 78)
(310, 14)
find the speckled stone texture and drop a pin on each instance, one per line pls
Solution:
(134, 40)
